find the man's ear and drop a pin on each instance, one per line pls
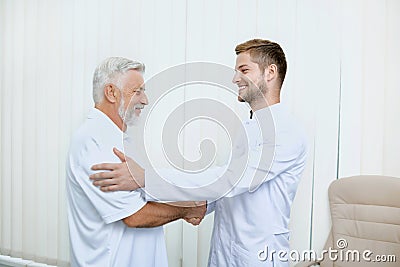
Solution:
(111, 92)
(271, 72)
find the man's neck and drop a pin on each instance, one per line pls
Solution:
(264, 102)
(113, 115)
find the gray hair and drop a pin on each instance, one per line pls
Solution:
(109, 71)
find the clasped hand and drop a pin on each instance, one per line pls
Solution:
(129, 175)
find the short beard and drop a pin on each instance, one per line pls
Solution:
(255, 92)
(129, 116)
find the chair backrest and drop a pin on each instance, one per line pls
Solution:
(365, 213)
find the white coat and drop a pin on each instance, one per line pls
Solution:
(251, 218)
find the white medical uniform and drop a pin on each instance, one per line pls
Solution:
(98, 236)
(251, 217)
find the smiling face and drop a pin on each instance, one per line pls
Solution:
(249, 79)
(133, 97)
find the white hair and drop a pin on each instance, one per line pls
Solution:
(109, 71)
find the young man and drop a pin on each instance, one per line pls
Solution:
(115, 228)
(256, 212)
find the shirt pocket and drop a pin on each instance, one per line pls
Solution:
(255, 152)
(281, 240)
(239, 256)
(281, 243)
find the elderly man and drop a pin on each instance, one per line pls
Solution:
(255, 213)
(114, 228)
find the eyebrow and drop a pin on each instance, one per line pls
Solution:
(243, 65)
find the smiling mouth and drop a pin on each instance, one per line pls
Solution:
(138, 109)
(242, 87)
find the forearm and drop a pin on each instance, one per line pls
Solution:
(155, 214)
(173, 185)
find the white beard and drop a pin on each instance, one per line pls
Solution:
(128, 116)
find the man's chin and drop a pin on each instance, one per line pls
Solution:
(133, 121)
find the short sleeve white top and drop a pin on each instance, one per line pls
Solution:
(98, 237)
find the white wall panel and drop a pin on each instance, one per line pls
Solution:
(42, 130)
(197, 32)
(267, 18)
(52, 47)
(2, 35)
(163, 37)
(168, 47)
(227, 22)
(147, 40)
(68, 91)
(373, 87)
(305, 110)
(391, 140)
(17, 53)
(6, 104)
(326, 84)
(105, 18)
(246, 20)
(29, 103)
(212, 34)
(342, 84)
(351, 88)
(286, 33)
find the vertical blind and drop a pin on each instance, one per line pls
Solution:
(342, 83)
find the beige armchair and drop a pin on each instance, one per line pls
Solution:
(365, 213)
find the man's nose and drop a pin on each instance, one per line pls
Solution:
(144, 99)
(236, 77)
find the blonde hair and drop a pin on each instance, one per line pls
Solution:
(265, 53)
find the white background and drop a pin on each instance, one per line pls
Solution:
(342, 84)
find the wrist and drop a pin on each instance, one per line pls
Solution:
(186, 211)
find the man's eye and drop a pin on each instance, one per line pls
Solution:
(245, 70)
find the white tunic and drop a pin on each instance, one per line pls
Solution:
(98, 237)
(255, 212)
